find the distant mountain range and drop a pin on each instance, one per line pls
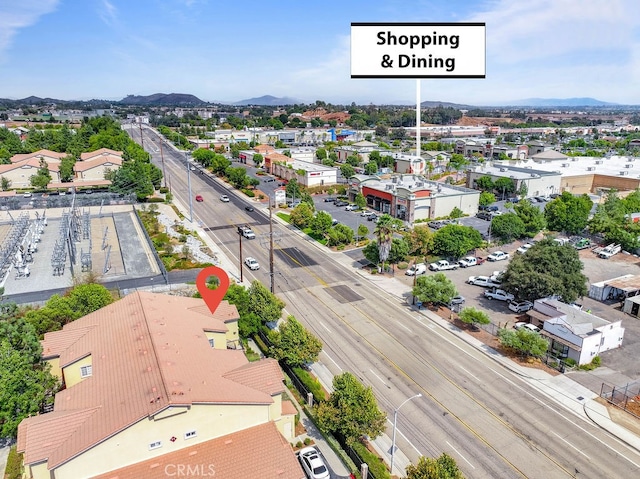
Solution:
(268, 100)
(549, 102)
(187, 100)
(163, 99)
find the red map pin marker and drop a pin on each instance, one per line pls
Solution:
(212, 297)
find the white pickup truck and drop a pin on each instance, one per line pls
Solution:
(470, 261)
(609, 251)
(442, 265)
(499, 294)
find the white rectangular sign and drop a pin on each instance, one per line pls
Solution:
(280, 196)
(418, 50)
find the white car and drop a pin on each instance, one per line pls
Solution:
(524, 248)
(313, 465)
(529, 326)
(520, 306)
(483, 281)
(224, 198)
(498, 256)
(252, 263)
(351, 207)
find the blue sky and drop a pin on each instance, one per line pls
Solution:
(227, 51)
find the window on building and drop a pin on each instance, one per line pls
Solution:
(190, 434)
(211, 342)
(86, 371)
(155, 445)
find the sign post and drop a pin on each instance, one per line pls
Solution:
(418, 50)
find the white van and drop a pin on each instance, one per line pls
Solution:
(419, 268)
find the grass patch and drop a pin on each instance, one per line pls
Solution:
(377, 467)
(284, 216)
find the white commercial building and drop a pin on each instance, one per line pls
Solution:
(573, 333)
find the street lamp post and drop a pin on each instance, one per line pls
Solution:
(395, 422)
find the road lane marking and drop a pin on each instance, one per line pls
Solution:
(324, 326)
(405, 438)
(405, 327)
(458, 452)
(331, 359)
(469, 373)
(570, 445)
(381, 380)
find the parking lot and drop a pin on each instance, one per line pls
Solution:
(619, 365)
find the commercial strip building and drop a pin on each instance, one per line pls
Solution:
(553, 172)
(412, 197)
(149, 384)
(573, 333)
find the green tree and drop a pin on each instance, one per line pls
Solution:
(321, 154)
(531, 216)
(5, 183)
(370, 168)
(360, 200)
(351, 410)
(294, 344)
(370, 252)
(526, 342)
(568, 213)
(66, 168)
(546, 270)
(87, 298)
(485, 183)
(257, 160)
(321, 223)
(293, 189)
(25, 387)
(301, 215)
(237, 176)
(419, 240)
(504, 186)
(486, 198)
(384, 233)
(249, 322)
(399, 251)
(474, 316)
(347, 170)
(43, 177)
(456, 213)
(267, 306)
(507, 227)
(434, 289)
(363, 231)
(444, 467)
(455, 240)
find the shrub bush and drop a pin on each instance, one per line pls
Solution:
(307, 441)
(14, 465)
(377, 466)
(249, 193)
(163, 190)
(311, 383)
(155, 199)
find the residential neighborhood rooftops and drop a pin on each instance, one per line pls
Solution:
(140, 367)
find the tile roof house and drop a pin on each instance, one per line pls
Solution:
(94, 165)
(48, 156)
(19, 173)
(149, 380)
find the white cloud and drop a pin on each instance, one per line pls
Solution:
(108, 13)
(15, 16)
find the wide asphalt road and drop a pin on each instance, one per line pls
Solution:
(490, 420)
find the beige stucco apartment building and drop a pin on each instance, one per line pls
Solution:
(151, 383)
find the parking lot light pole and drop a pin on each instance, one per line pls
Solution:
(395, 422)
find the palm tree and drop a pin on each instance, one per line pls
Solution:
(384, 235)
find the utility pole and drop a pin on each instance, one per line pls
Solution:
(186, 161)
(164, 172)
(240, 235)
(141, 137)
(271, 273)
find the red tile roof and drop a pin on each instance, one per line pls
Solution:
(47, 154)
(102, 152)
(148, 352)
(96, 162)
(258, 452)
